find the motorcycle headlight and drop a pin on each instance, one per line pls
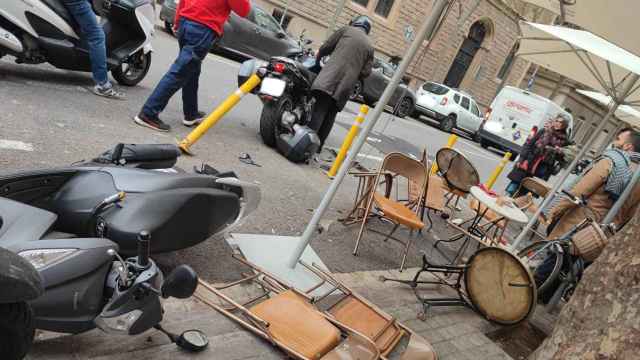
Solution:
(42, 258)
(118, 324)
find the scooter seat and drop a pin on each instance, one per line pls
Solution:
(58, 7)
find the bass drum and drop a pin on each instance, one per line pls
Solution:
(500, 286)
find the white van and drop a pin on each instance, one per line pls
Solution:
(512, 116)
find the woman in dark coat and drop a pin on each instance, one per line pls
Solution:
(541, 154)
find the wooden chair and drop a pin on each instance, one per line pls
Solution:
(405, 212)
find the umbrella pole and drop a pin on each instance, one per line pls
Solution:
(425, 32)
(565, 174)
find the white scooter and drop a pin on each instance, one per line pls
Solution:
(39, 31)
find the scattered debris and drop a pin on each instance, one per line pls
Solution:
(246, 158)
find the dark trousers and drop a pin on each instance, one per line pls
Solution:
(324, 115)
(195, 40)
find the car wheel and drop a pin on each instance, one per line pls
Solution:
(476, 137)
(16, 330)
(271, 117)
(168, 27)
(404, 108)
(357, 91)
(448, 124)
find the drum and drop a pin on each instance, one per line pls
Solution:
(457, 170)
(500, 286)
(589, 242)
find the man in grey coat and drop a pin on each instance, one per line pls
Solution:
(351, 59)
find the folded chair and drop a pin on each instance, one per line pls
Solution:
(337, 325)
(405, 211)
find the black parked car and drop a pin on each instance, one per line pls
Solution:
(370, 90)
(258, 35)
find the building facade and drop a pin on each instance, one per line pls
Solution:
(468, 51)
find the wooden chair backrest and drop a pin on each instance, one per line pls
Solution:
(413, 170)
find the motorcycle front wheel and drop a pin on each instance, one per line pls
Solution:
(16, 330)
(132, 71)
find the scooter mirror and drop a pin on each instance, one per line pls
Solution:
(193, 340)
(181, 283)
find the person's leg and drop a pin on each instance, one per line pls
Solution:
(320, 110)
(195, 40)
(512, 188)
(190, 99)
(94, 36)
(328, 122)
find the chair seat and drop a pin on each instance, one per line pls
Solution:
(360, 317)
(298, 325)
(397, 212)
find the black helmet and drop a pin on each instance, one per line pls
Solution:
(362, 21)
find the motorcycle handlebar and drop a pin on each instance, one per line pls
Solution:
(144, 248)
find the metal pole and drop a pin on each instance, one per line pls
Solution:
(425, 31)
(334, 20)
(284, 12)
(623, 198)
(565, 174)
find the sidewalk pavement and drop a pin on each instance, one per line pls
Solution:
(456, 333)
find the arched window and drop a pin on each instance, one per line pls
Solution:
(465, 55)
(508, 61)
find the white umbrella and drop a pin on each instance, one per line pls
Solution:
(626, 113)
(587, 59)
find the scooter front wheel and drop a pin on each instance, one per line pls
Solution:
(16, 330)
(132, 71)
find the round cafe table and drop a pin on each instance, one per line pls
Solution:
(472, 229)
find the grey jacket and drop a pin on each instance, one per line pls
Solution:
(351, 58)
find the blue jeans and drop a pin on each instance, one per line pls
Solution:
(512, 188)
(93, 35)
(195, 40)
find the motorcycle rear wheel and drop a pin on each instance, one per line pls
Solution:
(16, 330)
(271, 116)
(132, 72)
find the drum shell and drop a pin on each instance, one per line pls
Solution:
(589, 242)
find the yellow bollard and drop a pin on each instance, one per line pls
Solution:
(452, 140)
(218, 113)
(355, 128)
(498, 170)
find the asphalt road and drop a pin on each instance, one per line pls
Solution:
(48, 117)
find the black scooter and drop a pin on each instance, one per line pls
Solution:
(71, 223)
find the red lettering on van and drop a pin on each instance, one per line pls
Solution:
(514, 105)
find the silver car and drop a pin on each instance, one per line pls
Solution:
(451, 108)
(370, 90)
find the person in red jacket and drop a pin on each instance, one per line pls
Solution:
(198, 23)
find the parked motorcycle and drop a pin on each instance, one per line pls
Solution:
(285, 92)
(39, 31)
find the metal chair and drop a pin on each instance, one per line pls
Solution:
(405, 212)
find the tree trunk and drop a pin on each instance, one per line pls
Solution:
(602, 319)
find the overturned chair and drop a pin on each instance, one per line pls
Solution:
(337, 325)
